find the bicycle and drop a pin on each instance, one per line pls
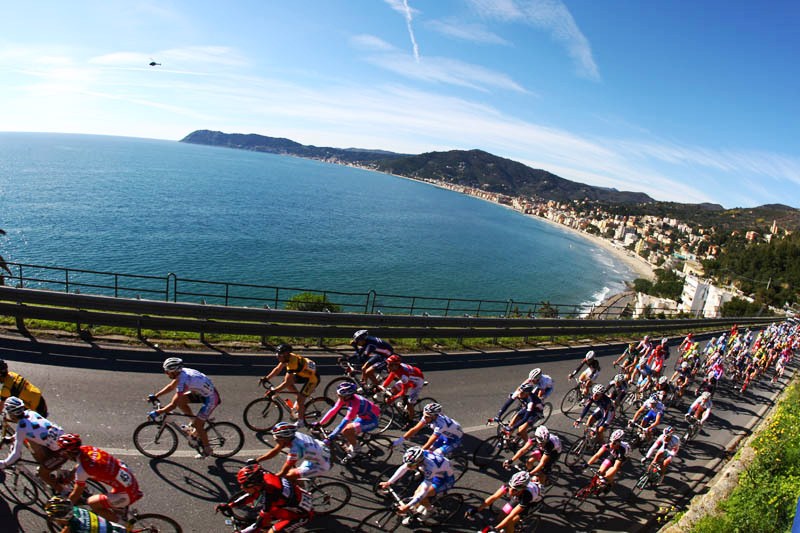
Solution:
(237, 523)
(693, 430)
(490, 449)
(26, 488)
(378, 448)
(589, 441)
(395, 414)
(547, 410)
(158, 438)
(597, 486)
(261, 414)
(651, 477)
(528, 522)
(572, 398)
(638, 437)
(351, 375)
(444, 507)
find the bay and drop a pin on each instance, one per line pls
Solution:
(152, 207)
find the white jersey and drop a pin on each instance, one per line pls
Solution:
(195, 381)
(307, 448)
(435, 466)
(545, 382)
(33, 427)
(447, 427)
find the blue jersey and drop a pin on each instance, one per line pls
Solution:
(444, 426)
(374, 346)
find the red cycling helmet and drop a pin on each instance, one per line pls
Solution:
(250, 476)
(69, 442)
(393, 359)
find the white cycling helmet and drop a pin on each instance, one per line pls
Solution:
(684, 365)
(360, 333)
(589, 355)
(619, 378)
(617, 436)
(413, 455)
(534, 374)
(14, 407)
(598, 389)
(284, 430)
(542, 433)
(432, 409)
(662, 380)
(519, 480)
(706, 395)
(172, 364)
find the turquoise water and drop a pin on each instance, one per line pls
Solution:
(152, 207)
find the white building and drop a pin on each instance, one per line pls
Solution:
(693, 298)
(714, 300)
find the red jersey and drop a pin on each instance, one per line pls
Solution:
(103, 467)
(409, 377)
(283, 501)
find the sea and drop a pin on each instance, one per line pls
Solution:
(154, 207)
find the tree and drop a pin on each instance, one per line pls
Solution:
(546, 310)
(309, 301)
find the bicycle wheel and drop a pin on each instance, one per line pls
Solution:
(225, 438)
(316, 409)
(459, 460)
(154, 523)
(378, 448)
(20, 487)
(381, 520)
(330, 388)
(546, 412)
(446, 508)
(262, 413)
(573, 505)
(155, 440)
(387, 418)
(575, 452)
(329, 497)
(487, 452)
(570, 400)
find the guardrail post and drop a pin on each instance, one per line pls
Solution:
(413, 303)
(478, 310)
(227, 290)
(447, 308)
(66, 280)
(116, 285)
(174, 278)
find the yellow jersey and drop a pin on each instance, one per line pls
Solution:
(16, 385)
(301, 366)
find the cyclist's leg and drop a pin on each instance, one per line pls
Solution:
(110, 506)
(209, 404)
(48, 460)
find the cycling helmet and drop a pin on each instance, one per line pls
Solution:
(519, 480)
(58, 507)
(598, 389)
(69, 442)
(646, 338)
(14, 407)
(617, 436)
(690, 335)
(619, 378)
(664, 341)
(534, 374)
(684, 365)
(283, 348)
(542, 433)
(432, 409)
(172, 364)
(359, 334)
(284, 430)
(250, 476)
(413, 455)
(589, 355)
(393, 359)
(346, 389)
(669, 430)
(662, 380)
(705, 396)
(526, 387)
(3, 367)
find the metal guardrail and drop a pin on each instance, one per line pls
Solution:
(172, 288)
(89, 310)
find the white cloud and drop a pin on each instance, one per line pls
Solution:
(371, 43)
(477, 33)
(550, 15)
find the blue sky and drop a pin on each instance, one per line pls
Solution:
(684, 100)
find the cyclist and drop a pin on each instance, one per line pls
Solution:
(437, 477)
(664, 388)
(523, 493)
(372, 351)
(700, 408)
(531, 409)
(644, 346)
(314, 454)
(362, 416)
(284, 503)
(602, 415)
(542, 387)
(617, 389)
(72, 519)
(627, 361)
(541, 460)
(655, 359)
(101, 466)
(686, 343)
(653, 410)
(299, 371)
(614, 454)
(12, 384)
(446, 435)
(665, 447)
(681, 378)
(39, 434)
(409, 382)
(586, 377)
(709, 385)
(190, 386)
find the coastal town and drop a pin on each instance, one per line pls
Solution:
(644, 243)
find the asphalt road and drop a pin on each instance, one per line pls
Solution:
(105, 406)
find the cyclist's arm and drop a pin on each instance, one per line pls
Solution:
(331, 412)
(522, 451)
(275, 371)
(429, 443)
(416, 429)
(349, 417)
(172, 385)
(510, 516)
(542, 463)
(270, 454)
(485, 504)
(400, 472)
(585, 410)
(14, 454)
(597, 455)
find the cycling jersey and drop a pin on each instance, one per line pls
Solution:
(545, 383)
(594, 364)
(436, 472)
(85, 521)
(531, 409)
(654, 408)
(701, 408)
(103, 467)
(284, 503)
(301, 367)
(194, 381)
(35, 429)
(315, 455)
(16, 385)
(375, 351)
(617, 391)
(604, 413)
(359, 409)
(530, 495)
(669, 445)
(409, 377)
(620, 454)
(446, 427)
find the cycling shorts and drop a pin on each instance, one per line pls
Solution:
(365, 424)
(119, 500)
(209, 404)
(649, 418)
(313, 468)
(444, 446)
(589, 373)
(378, 361)
(440, 484)
(603, 417)
(309, 384)
(412, 394)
